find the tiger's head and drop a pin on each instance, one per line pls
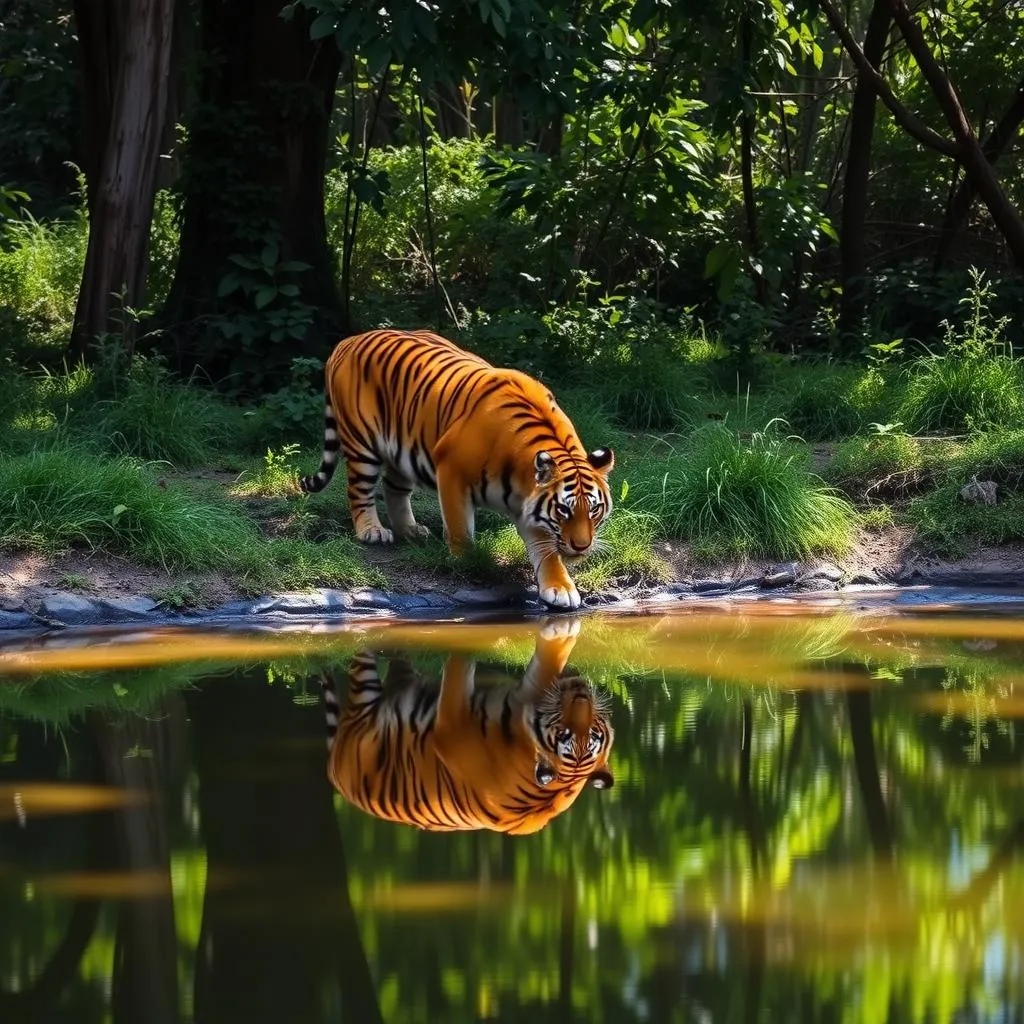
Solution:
(572, 499)
(574, 734)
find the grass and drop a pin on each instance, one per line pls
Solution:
(883, 464)
(975, 383)
(728, 495)
(57, 499)
(950, 524)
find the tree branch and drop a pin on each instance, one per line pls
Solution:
(910, 123)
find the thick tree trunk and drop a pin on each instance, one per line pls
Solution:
(508, 121)
(284, 931)
(855, 183)
(994, 144)
(255, 175)
(126, 51)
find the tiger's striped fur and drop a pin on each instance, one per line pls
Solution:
(460, 758)
(415, 409)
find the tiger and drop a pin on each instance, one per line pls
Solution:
(461, 758)
(414, 408)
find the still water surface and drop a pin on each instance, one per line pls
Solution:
(806, 814)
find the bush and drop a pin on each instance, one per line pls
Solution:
(976, 384)
(733, 496)
(40, 271)
(473, 247)
(949, 523)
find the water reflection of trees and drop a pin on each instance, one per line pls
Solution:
(820, 854)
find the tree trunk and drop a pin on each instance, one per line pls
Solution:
(508, 121)
(993, 146)
(865, 762)
(855, 183)
(125, 52)
(254, 191)
(979, 171)
(747, 127)
(283, 931)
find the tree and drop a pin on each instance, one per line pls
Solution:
(125, 54)
(852, 243)
(964, 147)
(255, 283)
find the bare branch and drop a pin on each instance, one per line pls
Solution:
(912, 124)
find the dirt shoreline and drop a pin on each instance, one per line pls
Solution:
(95, 588)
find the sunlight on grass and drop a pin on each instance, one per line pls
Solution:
(731, 496)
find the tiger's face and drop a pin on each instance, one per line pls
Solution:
(572, 502)
(574, 734)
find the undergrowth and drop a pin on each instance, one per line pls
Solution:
(976, 383)
(730, 496)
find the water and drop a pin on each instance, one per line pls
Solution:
(816, 815)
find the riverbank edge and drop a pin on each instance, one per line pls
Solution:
(55, 609)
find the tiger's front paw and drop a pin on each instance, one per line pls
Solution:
(560, 629)
(375, 535)
(561, 596)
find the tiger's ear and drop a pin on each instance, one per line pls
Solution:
(543, 772)
(601, 778)
(544, 467)
(602, 459)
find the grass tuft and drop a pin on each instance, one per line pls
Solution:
(58, 499)
(731, 496)
(859, 461)
(156, 417)
(975, 384)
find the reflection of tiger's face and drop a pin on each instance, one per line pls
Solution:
(453, 757)
(574, 734)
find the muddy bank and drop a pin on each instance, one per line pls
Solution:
(80, 589)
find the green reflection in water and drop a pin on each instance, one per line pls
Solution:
(815, 817)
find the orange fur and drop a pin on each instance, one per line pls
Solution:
(459, 758)
(416, 410)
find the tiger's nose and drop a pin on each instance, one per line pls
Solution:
(579, 547)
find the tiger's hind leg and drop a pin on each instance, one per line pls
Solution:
(398, 501)
(363, 476)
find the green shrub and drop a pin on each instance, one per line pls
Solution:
(975, 384)
(733, 496)
(473, 247)
(40, 272)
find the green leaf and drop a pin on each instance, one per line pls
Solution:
(293, 266)
(718, 258)
(228, 284)
(288, 289)
(243, 261)
(817, 56)
(265, 295)
(624, 490)
(827, 229)
(270, 253)
(324, 25)
(119, 510)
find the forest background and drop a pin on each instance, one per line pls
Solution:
(769, 251)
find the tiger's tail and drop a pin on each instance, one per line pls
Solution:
(329, 460)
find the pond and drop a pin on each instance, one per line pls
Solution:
(784, 811)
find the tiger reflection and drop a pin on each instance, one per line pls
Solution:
(458, 757)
